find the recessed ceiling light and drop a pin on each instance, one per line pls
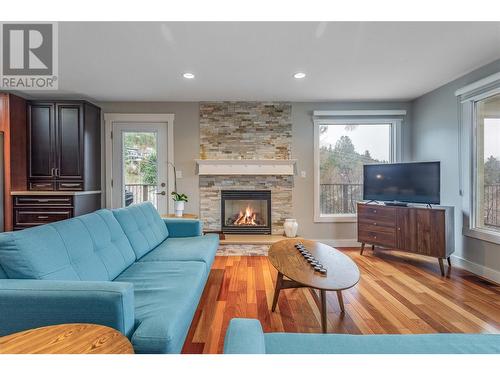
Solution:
(299, 75)
(188, 75)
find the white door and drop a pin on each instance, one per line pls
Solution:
(139, 164)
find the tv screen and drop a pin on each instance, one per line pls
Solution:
(402, 182)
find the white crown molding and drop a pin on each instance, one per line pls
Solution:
(382, 112)
(245, 167)
(478, 84)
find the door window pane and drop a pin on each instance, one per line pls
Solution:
(488, 163)
(140, 167)
(343, 149)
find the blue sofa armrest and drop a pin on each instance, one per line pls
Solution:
(26, 304)
(183, 227)
(244, 336)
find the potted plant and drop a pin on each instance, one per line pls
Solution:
(179, 200)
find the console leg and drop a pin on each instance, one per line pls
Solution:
(441, 266)
(449, 261)
(373, 247)
(362, 248)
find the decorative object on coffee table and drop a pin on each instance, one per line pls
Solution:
(342, 271)
(291, 227)
(67, 339)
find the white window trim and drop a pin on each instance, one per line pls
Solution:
(396, 152)
(468, 96)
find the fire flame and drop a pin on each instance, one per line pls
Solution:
(246, 218)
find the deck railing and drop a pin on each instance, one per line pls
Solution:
(142, 193)
(342, 198)
(492, 205)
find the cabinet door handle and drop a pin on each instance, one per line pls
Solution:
(374, 223)
(42, 217)
(57, 172)
(52, 172)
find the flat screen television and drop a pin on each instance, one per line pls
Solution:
(402, 182)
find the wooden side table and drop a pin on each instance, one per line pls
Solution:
(184, 216)
(67, 339)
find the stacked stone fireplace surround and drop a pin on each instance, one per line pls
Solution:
(245, 131)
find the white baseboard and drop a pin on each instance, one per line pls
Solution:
(487, 273)
(342, 242)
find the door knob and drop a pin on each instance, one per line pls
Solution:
(161, 193)
(163, 184)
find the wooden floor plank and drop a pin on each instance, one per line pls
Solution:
(397, 293)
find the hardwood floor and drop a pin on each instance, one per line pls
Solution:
(397, 293)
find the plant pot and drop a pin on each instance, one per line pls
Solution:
(179, 208)
(291, 227)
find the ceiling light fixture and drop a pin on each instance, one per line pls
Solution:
(188, 75)
(299, 75)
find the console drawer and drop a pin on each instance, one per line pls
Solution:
(379, 214)
(383, 238)
(29, 200)
(32, 216)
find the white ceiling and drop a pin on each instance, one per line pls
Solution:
(139, 61)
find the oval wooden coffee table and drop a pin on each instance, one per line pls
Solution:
(67, 339)
(342, 273)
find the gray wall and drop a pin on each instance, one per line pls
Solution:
(186, 149)
(435, 136)
(186, 139)
(302, 149)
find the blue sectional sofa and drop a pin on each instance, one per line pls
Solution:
(245, 336)
(128, 269)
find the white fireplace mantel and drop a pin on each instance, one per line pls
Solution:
(246, 167)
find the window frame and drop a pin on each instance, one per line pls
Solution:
(468, 97)
(474, 229)
(357, 118)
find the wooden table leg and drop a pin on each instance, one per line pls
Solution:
(279, 281)
(341, 300)
(441, 266)
(373, 247)
(323, 310)
(362, 248)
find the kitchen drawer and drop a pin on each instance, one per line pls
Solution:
(45, 200)
(30, 217)
(69, 185)
(377, 237)
(41, 185)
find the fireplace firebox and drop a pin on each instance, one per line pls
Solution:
(246, 211)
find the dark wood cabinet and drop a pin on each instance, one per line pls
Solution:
(35, 209)
(64, 145)
(426, 231)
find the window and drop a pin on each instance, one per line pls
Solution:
(342, 147)
(487, 163)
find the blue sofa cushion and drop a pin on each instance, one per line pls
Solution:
(166, 297)
(200, 248)
(91, 247)
(143, 226)
(439, 343)
(3, 275)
